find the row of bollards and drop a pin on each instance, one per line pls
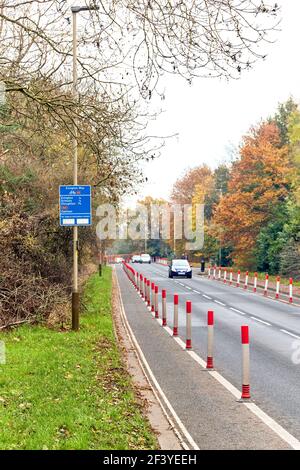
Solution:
(149, 293)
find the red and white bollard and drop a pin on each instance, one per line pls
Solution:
(266, 285)
(208, 275)
(210, 339)
(219, 274)
(214, 272)
(255, 282)
(230, 277)
(164, 307)
(238, 278)
(152, 296)
(156, 302)
(225, 276)
(141, 285)
(175, 320)
(246, 280)
(148, 292)
(145, 289)
(277, 287)
(291, 290)
(245, 362)
(188, 343)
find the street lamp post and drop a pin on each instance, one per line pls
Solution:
(75, 293)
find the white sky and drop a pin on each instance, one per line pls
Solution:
(212, 115)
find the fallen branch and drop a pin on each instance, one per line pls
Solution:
(8, 325)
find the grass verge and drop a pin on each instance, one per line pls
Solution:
(68, 390)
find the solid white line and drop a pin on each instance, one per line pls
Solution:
(290, 334)
(206, 296)
(180, 342)
(261, 321)
(266, 419)
(156, 384)
(279, 430)
(197, 358)
(231, 388)
(236, 310)
(220, 303)
(168, 330)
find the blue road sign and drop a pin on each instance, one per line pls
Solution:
(75, 205)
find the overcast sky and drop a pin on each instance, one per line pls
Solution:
(211, 116)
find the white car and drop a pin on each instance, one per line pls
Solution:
(119, 260)
(145, 258)
(136, 259)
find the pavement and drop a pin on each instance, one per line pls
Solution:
(210, 413)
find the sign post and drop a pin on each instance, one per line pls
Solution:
(75, 206)
(75, 211)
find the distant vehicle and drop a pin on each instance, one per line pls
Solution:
(136, 259)
(119, 260)
(180, 267)
(145, 258)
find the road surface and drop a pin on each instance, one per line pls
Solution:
(274, 336)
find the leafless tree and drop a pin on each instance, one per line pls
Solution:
(124, 48)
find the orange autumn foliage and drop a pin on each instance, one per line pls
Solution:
(259, 180)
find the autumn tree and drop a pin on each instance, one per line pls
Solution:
(259, 181)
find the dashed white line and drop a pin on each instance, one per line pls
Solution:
(236, 310)
(188, 287)
(220, 303)
(196, 291)
(290, 334)
(206, 296)
(271, 423)
(261, 321)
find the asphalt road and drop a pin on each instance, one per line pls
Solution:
(274, 338)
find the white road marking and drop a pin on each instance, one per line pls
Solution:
(196, 291)
(169, 330)
(206, 296)
(188, 287)
(290, 334)
(197, 358)
(144, 364)
(261, 321)
(181, 284)
(220, 303)
(279, 430)
(236, 310)
(270, 422)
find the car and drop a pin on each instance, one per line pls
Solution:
(136, 259)
(145, 258)
(180, 267)
(119, 260)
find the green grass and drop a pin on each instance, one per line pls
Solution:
(68, 390)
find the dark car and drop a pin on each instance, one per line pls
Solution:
(180, 267)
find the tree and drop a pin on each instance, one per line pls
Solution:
(282, 119)
(258, 183)
(123, 49)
